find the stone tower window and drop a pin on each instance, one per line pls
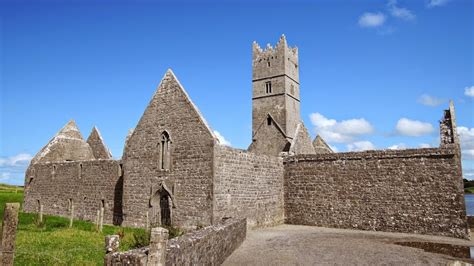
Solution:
(80, 171)
(268, 62)
(268, 87)
(269, 121)
(164, 157)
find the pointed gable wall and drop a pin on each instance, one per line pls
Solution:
(269, 139)
(191, 159)
(97, 144)
(66, 145)
(301, 144)
(320, 146)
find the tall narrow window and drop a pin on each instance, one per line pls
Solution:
(269, 121)
(268, 87)
(165, 142)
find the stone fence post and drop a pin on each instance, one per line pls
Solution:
(158, 242)
(112, 243)
(10, 222)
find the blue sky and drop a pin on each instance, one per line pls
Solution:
(373, 74)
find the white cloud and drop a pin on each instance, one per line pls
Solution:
(400, 12)
(424, 145)
(360, 146)
(19, 159)
(435, 3)
(413, 128)
(5, 176)
(429, 100)
(341, 132)
(468, 173)
(469, 91)
(12, 169)
(400, 146)
(466, 136)
(221, 138)
(372, 20)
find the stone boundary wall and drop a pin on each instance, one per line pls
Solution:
(88, 184)
(208, 246)
(412, 191)
(248, 185)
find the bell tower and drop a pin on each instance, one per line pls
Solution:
(276, 88)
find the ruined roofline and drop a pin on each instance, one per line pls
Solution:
(374, 154)
(96, 132)
(170, 72)
(269, 49)
(69, 132)
(79, 161)
(274, 122)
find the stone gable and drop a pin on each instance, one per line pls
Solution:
(97, 144)
(189, 172)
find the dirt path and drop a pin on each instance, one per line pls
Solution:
(307, 245)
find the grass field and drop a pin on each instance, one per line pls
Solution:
(54, 243)
(469, 190)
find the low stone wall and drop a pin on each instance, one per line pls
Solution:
(208, 246)
(413, 191)
(248, 185)
(88, 185)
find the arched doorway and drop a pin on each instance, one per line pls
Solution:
(160, 208)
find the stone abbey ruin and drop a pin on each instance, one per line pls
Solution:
(175, 172)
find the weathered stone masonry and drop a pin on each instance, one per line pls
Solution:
(88, 185)
(413, 191)
(248, 185)
(175, 172)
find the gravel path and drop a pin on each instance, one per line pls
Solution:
(307, 245)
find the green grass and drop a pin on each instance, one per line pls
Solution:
(54, 243)
(469, 190)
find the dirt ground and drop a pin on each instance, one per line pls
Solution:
(307, 245)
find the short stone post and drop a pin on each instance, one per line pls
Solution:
(71, 217)
(10, 222)
(41, 214)
(112, 243)
(97, 220)
(158, 242)
(101, 219)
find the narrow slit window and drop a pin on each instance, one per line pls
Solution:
(269, 121)
(268, 87)
(164, 156)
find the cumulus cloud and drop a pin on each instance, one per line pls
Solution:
(400, 12)
(361, 146)
(468, 173)
(466, 136)
(400, 146)
(435, 3)
(413, 128)
(221, 138)
(469, 91)
(5, 176)
(424, 145)
(372, 20)
(16, 160)
(12, 169)
(341, 132)
(429, 100)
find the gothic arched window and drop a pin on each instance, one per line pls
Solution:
(165, 155)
